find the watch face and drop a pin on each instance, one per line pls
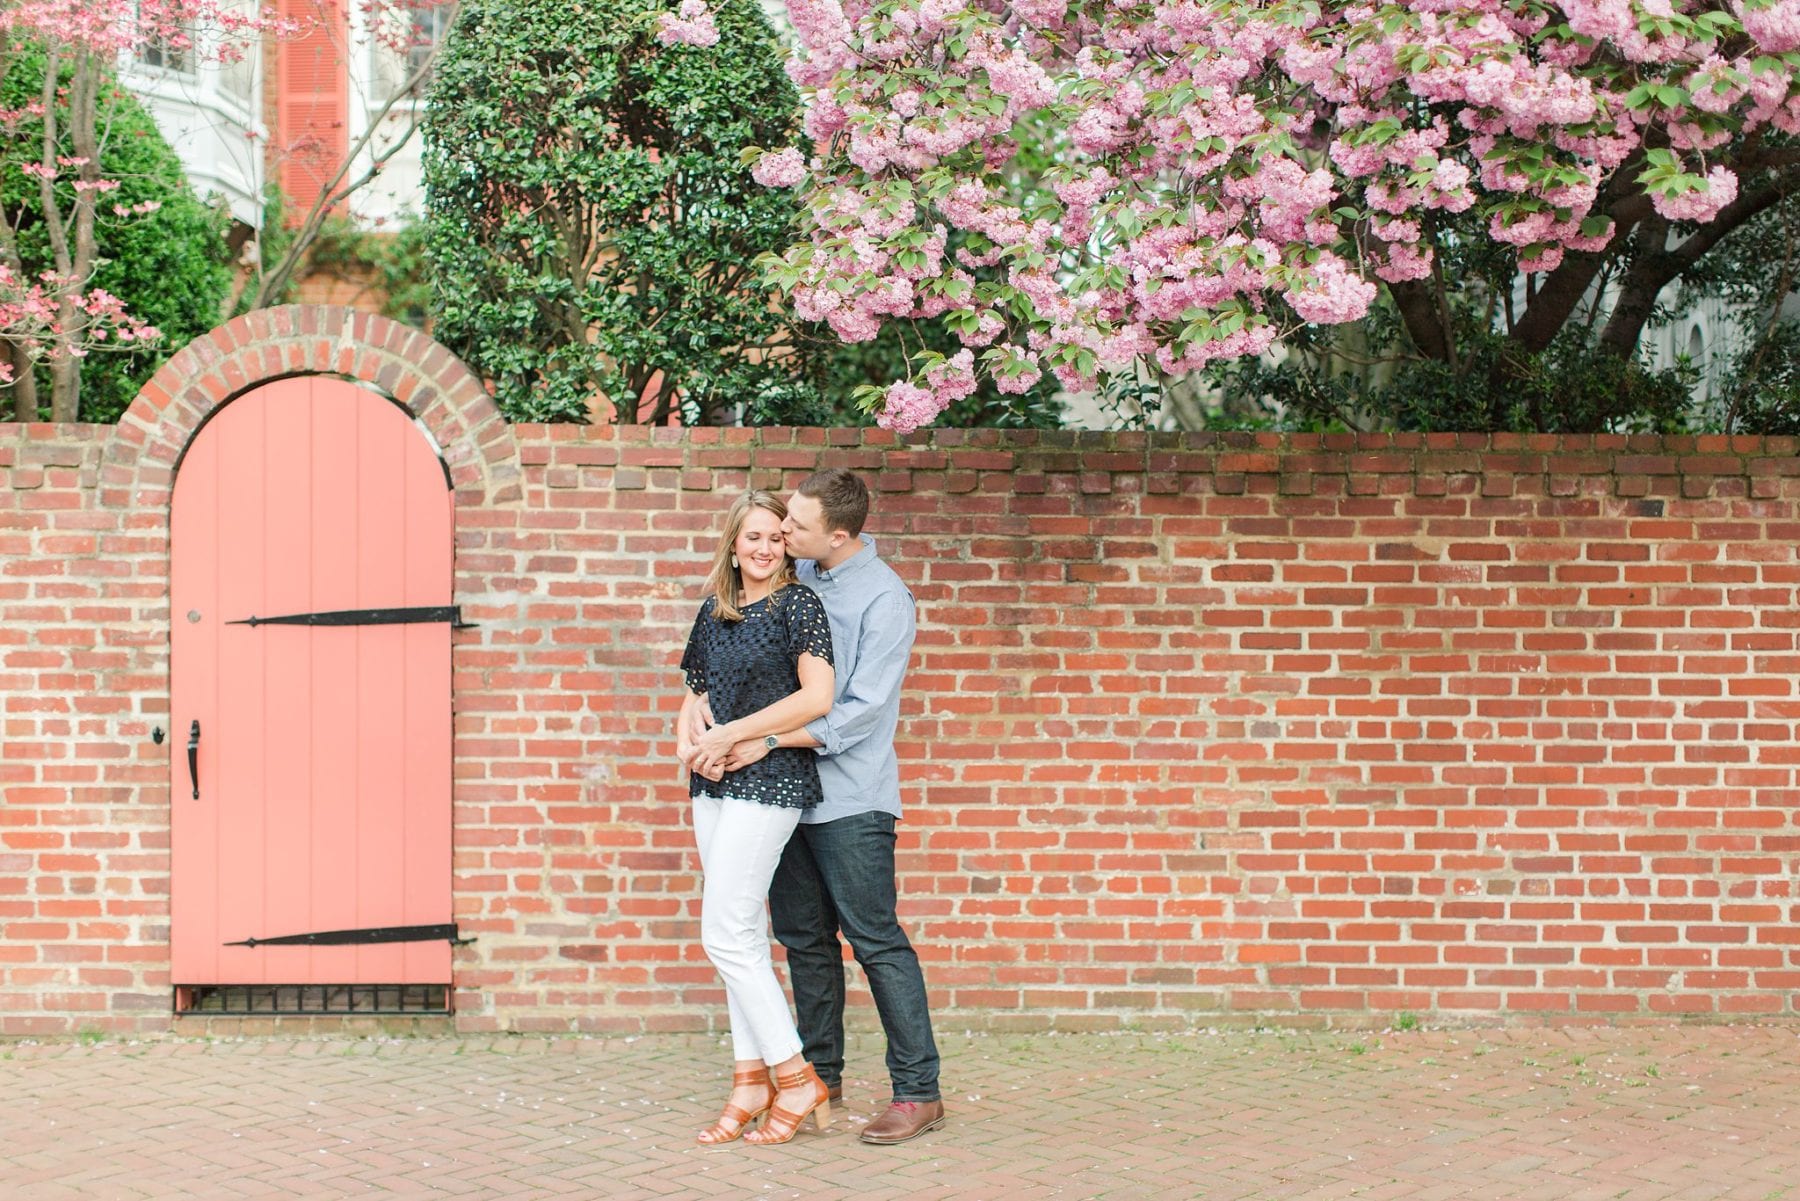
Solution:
(770, 741)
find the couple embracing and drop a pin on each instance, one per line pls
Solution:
(793, 670)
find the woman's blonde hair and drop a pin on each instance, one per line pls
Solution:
(725, 581)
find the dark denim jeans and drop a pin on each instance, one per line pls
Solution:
(839, 875)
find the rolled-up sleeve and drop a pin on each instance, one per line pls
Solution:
(883, 646)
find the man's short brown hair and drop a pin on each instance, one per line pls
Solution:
(843, 499)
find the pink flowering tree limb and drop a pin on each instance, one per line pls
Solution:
(1222, 174)
(59, 317)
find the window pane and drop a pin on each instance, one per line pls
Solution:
(403, 45)
(173, 52)
(237, 71)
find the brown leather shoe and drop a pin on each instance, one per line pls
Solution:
(836, 1091)
(904, 1120)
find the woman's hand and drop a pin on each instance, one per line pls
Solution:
(716, 743)
(684, 727)
(694, 713)
(712, 748)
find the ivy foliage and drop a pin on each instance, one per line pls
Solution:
(389, 262)
(168, 266)
(591, 227)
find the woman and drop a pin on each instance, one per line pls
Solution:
(760, 654)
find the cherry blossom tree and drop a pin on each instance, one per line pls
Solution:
(52, 319)
(57, 315)
(1224, 172)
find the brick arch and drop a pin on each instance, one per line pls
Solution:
(394, 359)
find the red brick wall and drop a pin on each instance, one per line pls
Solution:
(1197, 728)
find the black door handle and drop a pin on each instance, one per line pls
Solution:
(194, 756)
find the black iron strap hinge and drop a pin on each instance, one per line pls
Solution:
(352, 938)
(366, 617)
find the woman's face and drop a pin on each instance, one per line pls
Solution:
(759, 547)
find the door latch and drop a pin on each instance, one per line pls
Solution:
(194, 756)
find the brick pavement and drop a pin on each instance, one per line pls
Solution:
(1558, 1114)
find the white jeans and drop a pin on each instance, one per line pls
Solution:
(740, 844)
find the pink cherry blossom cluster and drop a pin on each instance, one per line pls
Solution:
(1774, 26)
(33, 313)
(392, 24)
(27, 311)
(907, 406)
(690, 25)
(1702, 204)
(781, 169)
(219, 29)
(1219, 171)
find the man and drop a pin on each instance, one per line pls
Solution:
(837, 872)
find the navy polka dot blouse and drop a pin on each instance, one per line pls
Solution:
(744, 666)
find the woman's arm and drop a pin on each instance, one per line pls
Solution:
(818, 681)
(685, 749)
(684, 725)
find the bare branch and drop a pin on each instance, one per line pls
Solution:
(340, 187)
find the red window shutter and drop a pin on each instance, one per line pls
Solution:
(312, 102)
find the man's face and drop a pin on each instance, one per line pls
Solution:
(805, 528)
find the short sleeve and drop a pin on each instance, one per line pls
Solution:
(693, 660)
(808, 629)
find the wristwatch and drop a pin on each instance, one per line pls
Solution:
(770, 741)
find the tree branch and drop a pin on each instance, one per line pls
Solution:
(332, 194)
(1419, 312)
(1658, 267)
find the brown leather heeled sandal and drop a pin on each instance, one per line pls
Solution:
(718, 1134)
(782, 1124)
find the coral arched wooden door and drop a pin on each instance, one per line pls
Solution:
(311, 765)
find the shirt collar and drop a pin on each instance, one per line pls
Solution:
(854, 563)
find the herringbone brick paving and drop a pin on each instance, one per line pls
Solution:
(1560, 1114)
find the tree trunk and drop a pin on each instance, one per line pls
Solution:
(1643, 283)
(1556, 300)
(1419, 311)
(83, 94)
(1183, 399)
(25, 391)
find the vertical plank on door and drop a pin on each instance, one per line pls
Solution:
(285, 740)
(232, 737)
(338, 510)
(193, 599)
(426, 855)
(380, 681)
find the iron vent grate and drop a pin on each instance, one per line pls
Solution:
(280, 1000)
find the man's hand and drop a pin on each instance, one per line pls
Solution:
(743, 754)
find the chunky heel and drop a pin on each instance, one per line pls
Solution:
(718, 1134)
(782, 1124)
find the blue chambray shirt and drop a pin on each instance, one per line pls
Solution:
(872, 626)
